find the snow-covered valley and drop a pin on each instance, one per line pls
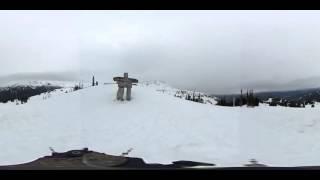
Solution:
(158, 127)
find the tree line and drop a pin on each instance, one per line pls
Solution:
(249, 99)
(23, 93)
(195, 97)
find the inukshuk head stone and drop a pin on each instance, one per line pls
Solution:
(124, 82)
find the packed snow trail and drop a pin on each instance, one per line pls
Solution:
(158, 128)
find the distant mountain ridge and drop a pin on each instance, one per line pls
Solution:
(308, 94)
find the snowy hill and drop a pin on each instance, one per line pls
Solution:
(159, 128)
(164, 88)
(15, 91)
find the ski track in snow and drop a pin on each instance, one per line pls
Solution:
(159, 128)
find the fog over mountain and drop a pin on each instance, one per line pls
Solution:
(210, 51)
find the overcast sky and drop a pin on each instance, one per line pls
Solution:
(211, 51)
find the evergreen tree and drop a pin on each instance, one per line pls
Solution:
(93, 82)
(241, 99)
(187, 97)
(199, 98)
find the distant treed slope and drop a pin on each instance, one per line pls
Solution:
(303, 95)
(22, 93)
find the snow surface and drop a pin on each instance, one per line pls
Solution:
(159, 128)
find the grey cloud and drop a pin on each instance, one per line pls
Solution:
(211, 51)
(53, 76)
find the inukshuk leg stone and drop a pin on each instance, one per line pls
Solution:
(128, 93)
(120, 93)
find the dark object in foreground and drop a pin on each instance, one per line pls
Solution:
(90, 160)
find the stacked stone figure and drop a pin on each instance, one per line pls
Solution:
(124, 82)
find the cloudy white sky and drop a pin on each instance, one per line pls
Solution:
(211, 51)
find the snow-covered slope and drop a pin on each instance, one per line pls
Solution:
(159, 128)
(164, 88)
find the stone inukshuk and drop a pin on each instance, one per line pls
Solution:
(124, 82)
